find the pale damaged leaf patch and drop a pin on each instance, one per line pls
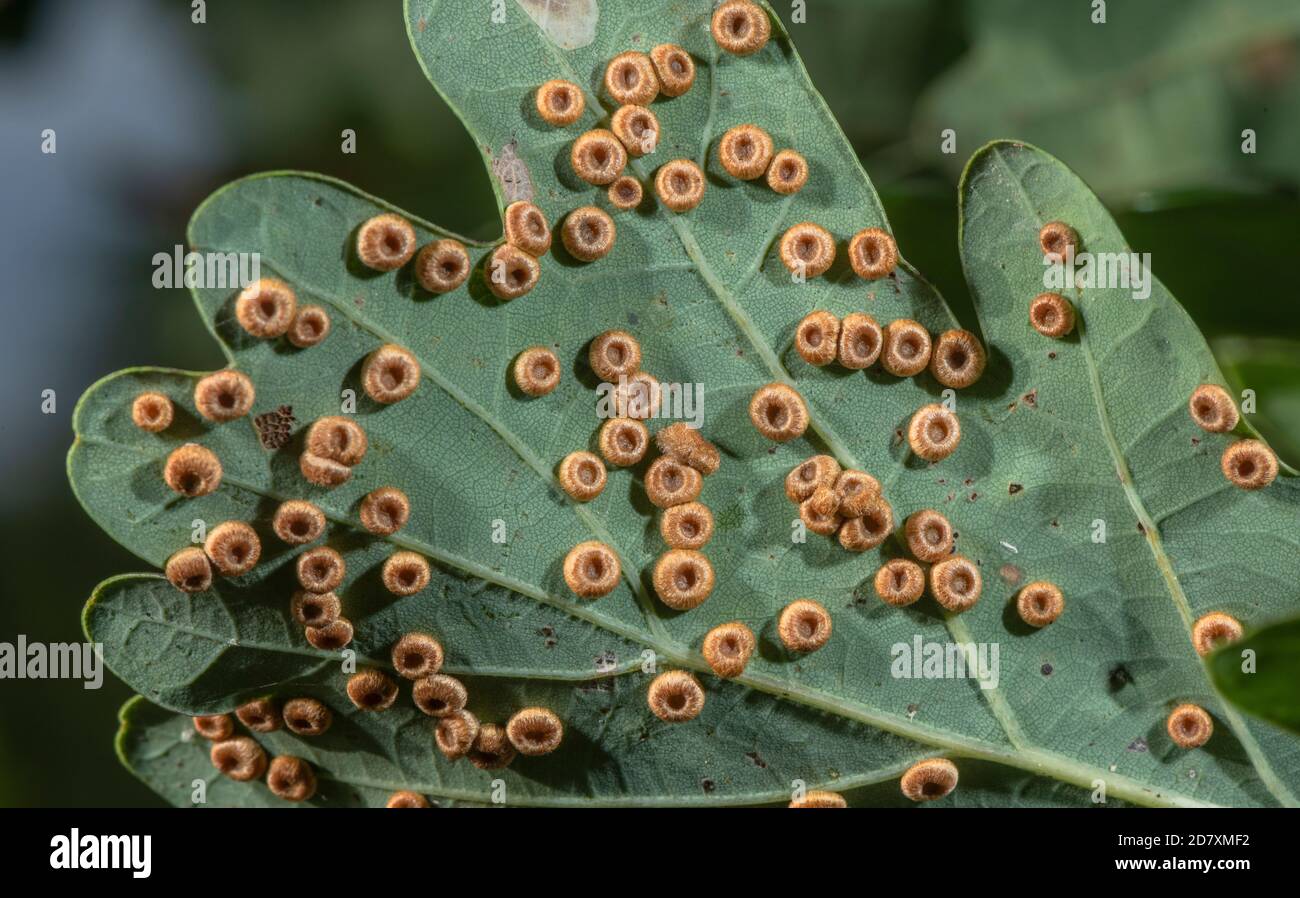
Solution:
(570, 24)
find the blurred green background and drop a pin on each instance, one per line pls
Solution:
(152, 112)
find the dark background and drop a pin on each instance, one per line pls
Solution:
(153, 112)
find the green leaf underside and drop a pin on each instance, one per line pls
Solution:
(1270, 686)
(161, 747)
(711, 304)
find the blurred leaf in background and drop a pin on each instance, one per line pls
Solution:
(1154, 99)
(1270, 367)
(153, 112)
(294, 82)
(872, 59)
(1261, 673)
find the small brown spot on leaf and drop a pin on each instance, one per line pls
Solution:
(1118, 678)
(1013, 488)
(1010, 574)
(274, 428)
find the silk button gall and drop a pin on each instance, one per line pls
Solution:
(745, 151)
(442, 266)
(386, 242)
(740, 27)
(804, 625)
(560, 103)
(630, 79)
(816, 338)
(807, 250)
(873, 253)
(728, 647)
(778, 412)
(679, 185)
(675, 68)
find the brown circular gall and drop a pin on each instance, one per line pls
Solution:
(778, 412)
(511, 272)
(740, 27)
(386, 242)
(588, 233)
(630, 78)
(560, 103)
(152, 412)
(804, 625)
(679, 185)
(592, 570)
(266, 307)
(873, 253)
(933, 433)
(807, 250)
(442, 266)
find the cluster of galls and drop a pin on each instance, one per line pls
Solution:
(1248, 464)
(599, 156)
(333, 446)
(632, 81)
(832, 501)
(1189, 725)
(849, 504)
(903, 348)
(927, 780)
(418, 657)
(241, 757)
(683, 576)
